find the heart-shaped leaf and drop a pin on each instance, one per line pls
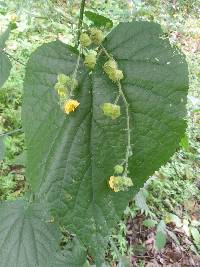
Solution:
(26, 238)
(71, 157)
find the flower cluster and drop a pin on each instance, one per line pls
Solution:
(63, 87)
(111, 69)
(120, 183)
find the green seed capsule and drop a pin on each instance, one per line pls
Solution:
(85, 40)
(111, 110)
(90, 60)
(96, 36)
(116, 75)
(109, 66)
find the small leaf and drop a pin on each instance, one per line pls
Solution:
(26, 239)
(161, 226)
(2, 148)
(184, 143)
(99, 20)
(160, 240)
(173, 236)
(195, 235)
(149, 223)
(140, 201)
(175, 219)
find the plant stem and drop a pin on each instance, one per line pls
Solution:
(80, 22)
(75, 74)
(11, 132)
(121, 93)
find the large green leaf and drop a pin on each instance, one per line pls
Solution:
(26, 239)
(2, 147)
(70, 158)
(5, 65)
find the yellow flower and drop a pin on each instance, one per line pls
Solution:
(114, 183)
(70, 105)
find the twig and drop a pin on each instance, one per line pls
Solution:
(11, 132)
(10, 56)
(80, 22)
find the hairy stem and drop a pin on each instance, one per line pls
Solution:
(80, 22)
(128, 148)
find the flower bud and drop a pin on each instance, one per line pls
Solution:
(63, 79)
(111, 110)
(13, 17)
(118, 169)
